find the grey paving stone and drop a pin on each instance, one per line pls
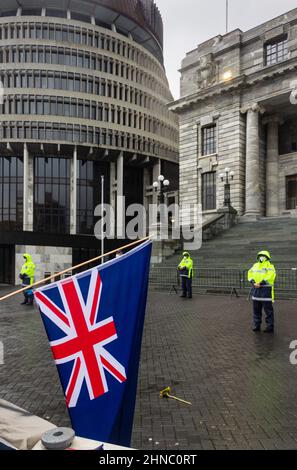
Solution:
(242, 386)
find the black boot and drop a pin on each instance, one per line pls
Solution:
(30, 301)
(25, 300)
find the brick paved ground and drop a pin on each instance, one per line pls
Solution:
(242, 386)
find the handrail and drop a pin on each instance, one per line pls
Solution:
(208, 223)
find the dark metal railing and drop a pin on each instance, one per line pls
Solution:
(220, 278)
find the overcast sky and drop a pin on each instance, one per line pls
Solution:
(190, 22)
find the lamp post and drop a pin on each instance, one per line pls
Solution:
(226, 178)
(160, 188)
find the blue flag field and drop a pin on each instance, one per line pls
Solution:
(94, 322)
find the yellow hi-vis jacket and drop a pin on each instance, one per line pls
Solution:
(186, 267)
(263, 274)
(28, 271)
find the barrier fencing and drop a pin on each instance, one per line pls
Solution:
(211, 279)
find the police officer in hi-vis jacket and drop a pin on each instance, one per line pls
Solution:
(262, 277)
(27, 276)
(186, 274)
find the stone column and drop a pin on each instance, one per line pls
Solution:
(73, 193)
(147, 193)
(272, 169)
(120, 193)
(252, 185)
(146, 187)
(28, 191)
(113, 185)
(120, 174)
(156, 174)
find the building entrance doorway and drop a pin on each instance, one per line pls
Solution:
(291, 192)
(6, 264)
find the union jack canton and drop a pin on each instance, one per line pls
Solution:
(85, 338)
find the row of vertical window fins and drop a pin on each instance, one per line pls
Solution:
(81, 59)
(79, 36)
(84, 134)
(83, 84)
(85, 109)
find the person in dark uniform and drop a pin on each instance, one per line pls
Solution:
(186, 274)
(262, 277)
(27, 276)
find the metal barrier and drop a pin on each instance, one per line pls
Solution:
(212, 279)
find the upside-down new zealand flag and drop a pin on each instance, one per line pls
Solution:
(94, 322)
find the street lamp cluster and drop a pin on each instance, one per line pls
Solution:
(226, 178)
(160, 186)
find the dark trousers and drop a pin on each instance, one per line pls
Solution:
(187, 287)
(29, 296)
(268, 309)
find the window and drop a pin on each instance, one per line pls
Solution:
(11, 193)
(276, 51)
(80, 113)
(51, 81)
(67, 108)
(53, 106)
(57, 13)
(209, 191)
(58, 33)
(52, 195)
(60, 111)
(25, 106)
(70, 82)
(31, 11)
(30, 81)
(34, 56)
(44, 81)
(89, 193)
(39, 105)
(209, 140)
(45, 31)
(64, 82)
(291, 192)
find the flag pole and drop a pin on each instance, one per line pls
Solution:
(73, 268)
(102, 225)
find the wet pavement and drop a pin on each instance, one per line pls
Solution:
(241, 384)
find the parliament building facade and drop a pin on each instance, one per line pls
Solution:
(238, 112)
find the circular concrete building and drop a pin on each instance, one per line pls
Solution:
(84, 94)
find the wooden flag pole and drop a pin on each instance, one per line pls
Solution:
(85, 263)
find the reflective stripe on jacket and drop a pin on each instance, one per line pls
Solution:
(28, 271)
(263, 274)
(186, 268)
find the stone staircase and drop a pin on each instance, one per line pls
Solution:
(237, 248)
(221, 263)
